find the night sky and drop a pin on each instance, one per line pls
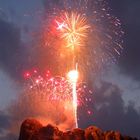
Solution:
(116, 98)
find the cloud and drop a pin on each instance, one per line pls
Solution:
(4, 121)
(11, 51)
(8, 137)
(50, 3)
(5, 124)
(15, 55)
(110, 112)
(108, 107)
(128, 11)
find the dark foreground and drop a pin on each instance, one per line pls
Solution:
(31, 129)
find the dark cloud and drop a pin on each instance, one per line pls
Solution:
(128, 11)
(49, 4)
(4, 121)
(6, 132)
(15, 55)
(10, 136)
(110, 112)
(11, 52)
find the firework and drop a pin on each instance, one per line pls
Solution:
(55, 87)
(73, 28)
(73, 77)
(52, 96)
(88, 28)
(74, 31)
(82, 32)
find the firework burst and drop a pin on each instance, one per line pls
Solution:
(82, 32)
(73, 28)
(56, 88)
(50, 98)
(97, 40)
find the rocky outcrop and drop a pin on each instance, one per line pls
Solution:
(31, 129)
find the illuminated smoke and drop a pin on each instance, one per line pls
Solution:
(49, 99)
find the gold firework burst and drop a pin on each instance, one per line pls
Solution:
(73, 29)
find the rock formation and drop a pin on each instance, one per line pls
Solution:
(31, 129)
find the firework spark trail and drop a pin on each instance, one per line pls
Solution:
(58, 93)
(104, 44)
(75, 104)
(80, 29)
(73, 76)
(74, 30)
(84, 30)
